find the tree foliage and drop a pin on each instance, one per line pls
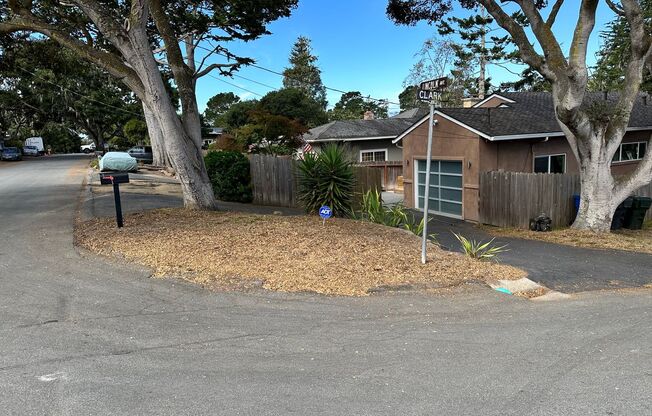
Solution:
(217, 106)
(614, 54)
(303, 72)
(352, 105)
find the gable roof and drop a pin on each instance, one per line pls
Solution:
(351, 130)
(530, 114)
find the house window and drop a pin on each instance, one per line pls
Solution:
(630, 151)
(378, 155)
(550, 164)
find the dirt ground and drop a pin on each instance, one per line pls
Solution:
(238, 251)
(630, 240)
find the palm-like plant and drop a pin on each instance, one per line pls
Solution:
(327, 179)
(479, 250)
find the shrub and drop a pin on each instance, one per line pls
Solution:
(417, 229)
(230, 175)
(327, 179)
(479, 250)
(373, 210)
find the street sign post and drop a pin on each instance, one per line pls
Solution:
(115, 179)
(429, 91)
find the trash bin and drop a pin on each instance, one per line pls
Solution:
(576, 204)
(622, 213)
(640, 205)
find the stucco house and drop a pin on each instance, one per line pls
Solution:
(371, 140)
(508, 131)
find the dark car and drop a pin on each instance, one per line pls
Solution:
(142, 153)
(11, 153)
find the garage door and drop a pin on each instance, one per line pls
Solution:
(445, 187)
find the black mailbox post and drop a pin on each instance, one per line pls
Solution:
(115, 179)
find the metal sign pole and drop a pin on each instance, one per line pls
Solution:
(426, 195)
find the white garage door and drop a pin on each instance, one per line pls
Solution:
(445, 187)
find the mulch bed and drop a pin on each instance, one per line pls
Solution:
(228, 250)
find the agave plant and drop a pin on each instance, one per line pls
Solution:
(479, 250)
(327, 179)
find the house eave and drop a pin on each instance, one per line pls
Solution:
(350, 139)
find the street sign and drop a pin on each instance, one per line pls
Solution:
(437, 84)
(325, 212)
(429, 90)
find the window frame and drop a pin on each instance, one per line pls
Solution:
(638, 153)
(534, 161)
(373, 151)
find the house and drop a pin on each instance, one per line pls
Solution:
(507, 131)
(371, 140)
(210, 135)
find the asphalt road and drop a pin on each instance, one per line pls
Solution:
(80, 335)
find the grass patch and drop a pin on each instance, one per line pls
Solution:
(628, 240)
(293, 254)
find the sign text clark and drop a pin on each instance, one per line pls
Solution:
(428, 89)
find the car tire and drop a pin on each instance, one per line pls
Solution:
(87, 151)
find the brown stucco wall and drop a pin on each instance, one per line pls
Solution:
(453, 142)
(450, 142)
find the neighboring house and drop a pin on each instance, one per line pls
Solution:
(512, 132)
(370, 140)
(210, 135)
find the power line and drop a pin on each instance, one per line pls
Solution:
(79, 94)
(381, 100)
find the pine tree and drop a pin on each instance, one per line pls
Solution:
(303, 73)
(613, 56)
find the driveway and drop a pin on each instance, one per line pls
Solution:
(563, 268)
(83, 336)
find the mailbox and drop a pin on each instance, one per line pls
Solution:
(110, 178)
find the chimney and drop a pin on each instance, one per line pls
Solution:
(368, 115)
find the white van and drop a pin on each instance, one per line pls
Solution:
(36, 142)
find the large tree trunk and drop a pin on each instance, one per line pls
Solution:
(597, 200)
(156, 138)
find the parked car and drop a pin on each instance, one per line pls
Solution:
(88, 148)
(119, 162)
(31, 151)
(142, 153)
(11, 153)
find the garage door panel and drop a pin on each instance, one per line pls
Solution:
(446, 187)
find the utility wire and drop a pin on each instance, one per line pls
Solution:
(79, 94)
(293, 78)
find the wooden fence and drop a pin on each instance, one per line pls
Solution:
(511, 199)
(274, 183)
(391, 170)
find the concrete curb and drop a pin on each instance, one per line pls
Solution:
(528, 289)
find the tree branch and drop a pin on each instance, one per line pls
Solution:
(583, 29)
(211, 67)
(553, 13)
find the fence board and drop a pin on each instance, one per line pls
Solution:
(274, 183)
(511, 199)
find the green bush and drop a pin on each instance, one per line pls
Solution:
(373, 210)
(230, 175)
(327, 179)
(479, 250)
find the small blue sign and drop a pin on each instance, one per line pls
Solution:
(325, 212)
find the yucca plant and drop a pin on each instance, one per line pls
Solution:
(373, 210)
(327, 179)
(479, 250)
(417, 229)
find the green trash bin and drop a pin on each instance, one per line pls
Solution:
(636, 216)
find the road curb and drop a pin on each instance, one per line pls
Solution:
(528, 289)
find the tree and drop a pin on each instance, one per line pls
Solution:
(217, 106)
(614, 54)
(477, 48)
(295, 104)
(239, 114)
(44, 83)
(136, 131)
(271, 134)
(303, 73)
(408, 99)
(139, 42)
(594, 129)
(352, 105)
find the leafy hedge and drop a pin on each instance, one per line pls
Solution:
(230, 175)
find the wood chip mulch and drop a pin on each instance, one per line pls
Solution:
(294, 254)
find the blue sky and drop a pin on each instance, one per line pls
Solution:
(358, 48)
